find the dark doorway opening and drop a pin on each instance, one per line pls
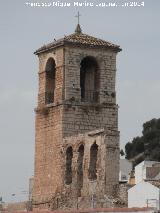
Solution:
(50, 80)
(89, 79)
(80, 169)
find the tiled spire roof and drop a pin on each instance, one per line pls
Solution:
(79, 38)
(78, 29)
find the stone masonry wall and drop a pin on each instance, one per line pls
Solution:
(94, 193)
(67, 122)
(106, 60)
(123, 192)
(58, 56)
(48, 170)
(48, 127)
(80, 118)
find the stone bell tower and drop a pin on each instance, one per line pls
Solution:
(77, 138)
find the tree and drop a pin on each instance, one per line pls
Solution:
(148, 143)
(122, 152)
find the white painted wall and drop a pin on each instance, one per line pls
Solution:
(138, 195)
(140, 170)
(125, 169)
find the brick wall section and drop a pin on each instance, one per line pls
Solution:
(79, 118)
(48, 174)
(103, 210)
(107, 67)
(123, 192)
(107, 169)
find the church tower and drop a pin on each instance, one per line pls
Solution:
(77, 138)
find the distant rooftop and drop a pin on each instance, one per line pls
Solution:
(149, 163)
(154, 182)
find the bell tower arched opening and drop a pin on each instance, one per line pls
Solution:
(68, 173)
(89, 79)
(80, 169)
(50, 80)
(93, 162)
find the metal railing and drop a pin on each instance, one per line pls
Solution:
(89, 96)
(86, 96)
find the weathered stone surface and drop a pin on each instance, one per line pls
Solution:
(77, 141)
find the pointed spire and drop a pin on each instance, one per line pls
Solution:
(78, 28)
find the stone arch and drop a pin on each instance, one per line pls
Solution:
(50, 71)
(80, 169)
(68, 171)
(89, 79)
(93, 162)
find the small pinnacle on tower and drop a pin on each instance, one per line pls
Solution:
(78, 28)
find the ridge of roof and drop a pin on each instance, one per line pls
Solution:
(78, 38)
(154, 182)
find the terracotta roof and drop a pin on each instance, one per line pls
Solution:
(79, 39)
(96, 210)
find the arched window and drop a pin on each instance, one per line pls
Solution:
(50, 80)
(80, 169)
(68, 173)
(93, 162)
(89, 79)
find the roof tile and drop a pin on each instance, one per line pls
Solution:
(79, 39)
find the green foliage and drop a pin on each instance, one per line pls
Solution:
(134, 148)
(148, 143)
(122, 152)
